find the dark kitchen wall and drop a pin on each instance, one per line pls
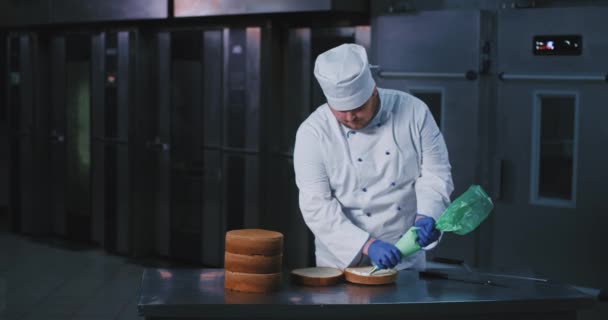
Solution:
(148, 134)
(3, 130)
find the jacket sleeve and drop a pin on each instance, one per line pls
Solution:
(321, 211)
(434, 185)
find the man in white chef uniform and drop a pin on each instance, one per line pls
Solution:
(369, 164)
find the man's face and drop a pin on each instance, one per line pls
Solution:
(358, 118)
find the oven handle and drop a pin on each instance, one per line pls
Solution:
(553, 77)
(469, 75)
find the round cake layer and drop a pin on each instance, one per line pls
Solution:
(318, 276)
(254, 242)
(252, 263)
(361, 275)
(249, 282)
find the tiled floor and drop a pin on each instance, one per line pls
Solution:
(39, 280)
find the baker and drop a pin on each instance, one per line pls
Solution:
(369, 164)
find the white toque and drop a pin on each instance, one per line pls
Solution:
(344, 75)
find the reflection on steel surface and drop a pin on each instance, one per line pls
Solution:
(165, 274)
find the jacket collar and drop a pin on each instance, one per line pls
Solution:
(377, 121)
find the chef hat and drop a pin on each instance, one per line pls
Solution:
(344, 75)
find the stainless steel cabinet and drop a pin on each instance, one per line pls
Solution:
(442, 57)
(550, 139)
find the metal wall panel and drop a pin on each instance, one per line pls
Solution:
(73, 82)
(193, 225)
(23, 130)
(3, 80)
(516, 54)
(42, 170)
(241, 116)
(197, 8)
(283, 209)
(144, 172)
(241, 190)
(4, 145)
(401, 40)
(112, 104)
(297, 106)
(98, 147)
(22, 13)
(123, 191)
(161, 143)
(253, 85)
(64, 11)
(379, 7)
(58, 125)
(79, 76)
(41, 117)
(298, 249)
(186, 165)
(13, 102)
(213, 79)
(214, 225)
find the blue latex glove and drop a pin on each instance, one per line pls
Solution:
(383, 254)
(427, 233)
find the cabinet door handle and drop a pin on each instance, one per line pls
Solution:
(56, 137)
(157, 145)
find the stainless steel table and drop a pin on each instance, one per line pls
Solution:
(200, 294)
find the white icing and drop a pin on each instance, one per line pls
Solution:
(366, 270)
(318, 272)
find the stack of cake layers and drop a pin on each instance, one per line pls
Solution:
(253, 260)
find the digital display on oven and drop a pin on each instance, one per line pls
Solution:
(558, 45)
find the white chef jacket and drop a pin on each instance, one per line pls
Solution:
(370, 182)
